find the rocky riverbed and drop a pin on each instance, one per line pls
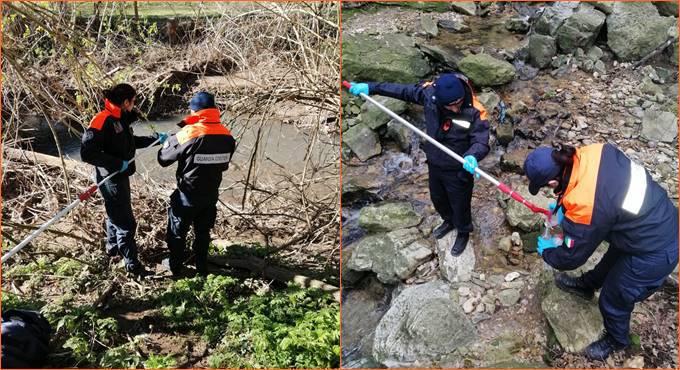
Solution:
(566, 73)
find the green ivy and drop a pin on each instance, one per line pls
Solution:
(291, 328)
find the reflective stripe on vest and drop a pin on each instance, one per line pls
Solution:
(579, 197)
(637, 187)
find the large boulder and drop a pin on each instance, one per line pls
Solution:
(388, 216)
(659, 126)
(542, 49)
(575, 321)
(635, 29)
(373, 117)
(552, 18)
(393, 256)
(363, 141)
(485, 70)
(455, 269)
(424, 328)
(517, 214)
(580, 29)
(392, 58)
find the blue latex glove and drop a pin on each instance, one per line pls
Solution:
(470, 165)
(358, 88)
(560, 212)
(162, 136)
(544, 244)
(124, 166)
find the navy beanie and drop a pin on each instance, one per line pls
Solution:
(540, 168)
(448, 88)
(202, 100)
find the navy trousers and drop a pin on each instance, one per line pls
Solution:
(180, 218)
(120, 222)
(626, 279)
(451, 195)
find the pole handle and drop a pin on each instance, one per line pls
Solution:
(518, 197)
(86, 195)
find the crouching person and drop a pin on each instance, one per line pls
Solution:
(202, 150)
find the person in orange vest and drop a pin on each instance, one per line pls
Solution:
(109, 144)
(202, 149)
(448, 99)
(605, 196)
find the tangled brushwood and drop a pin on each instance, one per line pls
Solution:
(284, 56)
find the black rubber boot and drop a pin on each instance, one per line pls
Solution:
(137, 269)
(574, 285)
(441, 230)
(460, 244)
(603, 347)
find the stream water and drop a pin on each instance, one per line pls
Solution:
(283, 152)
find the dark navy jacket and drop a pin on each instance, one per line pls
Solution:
(203, 150)
(473, 141)
(611, 198)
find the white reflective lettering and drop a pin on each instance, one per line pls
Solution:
(212, 158)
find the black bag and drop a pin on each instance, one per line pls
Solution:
(25, 339)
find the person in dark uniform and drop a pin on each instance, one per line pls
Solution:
(604, 196)
(202, 150)
(447, 101)
(109, 144)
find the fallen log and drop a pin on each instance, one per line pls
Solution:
(261, 266)
(29, 156)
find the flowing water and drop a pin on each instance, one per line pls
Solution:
(283, 150)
